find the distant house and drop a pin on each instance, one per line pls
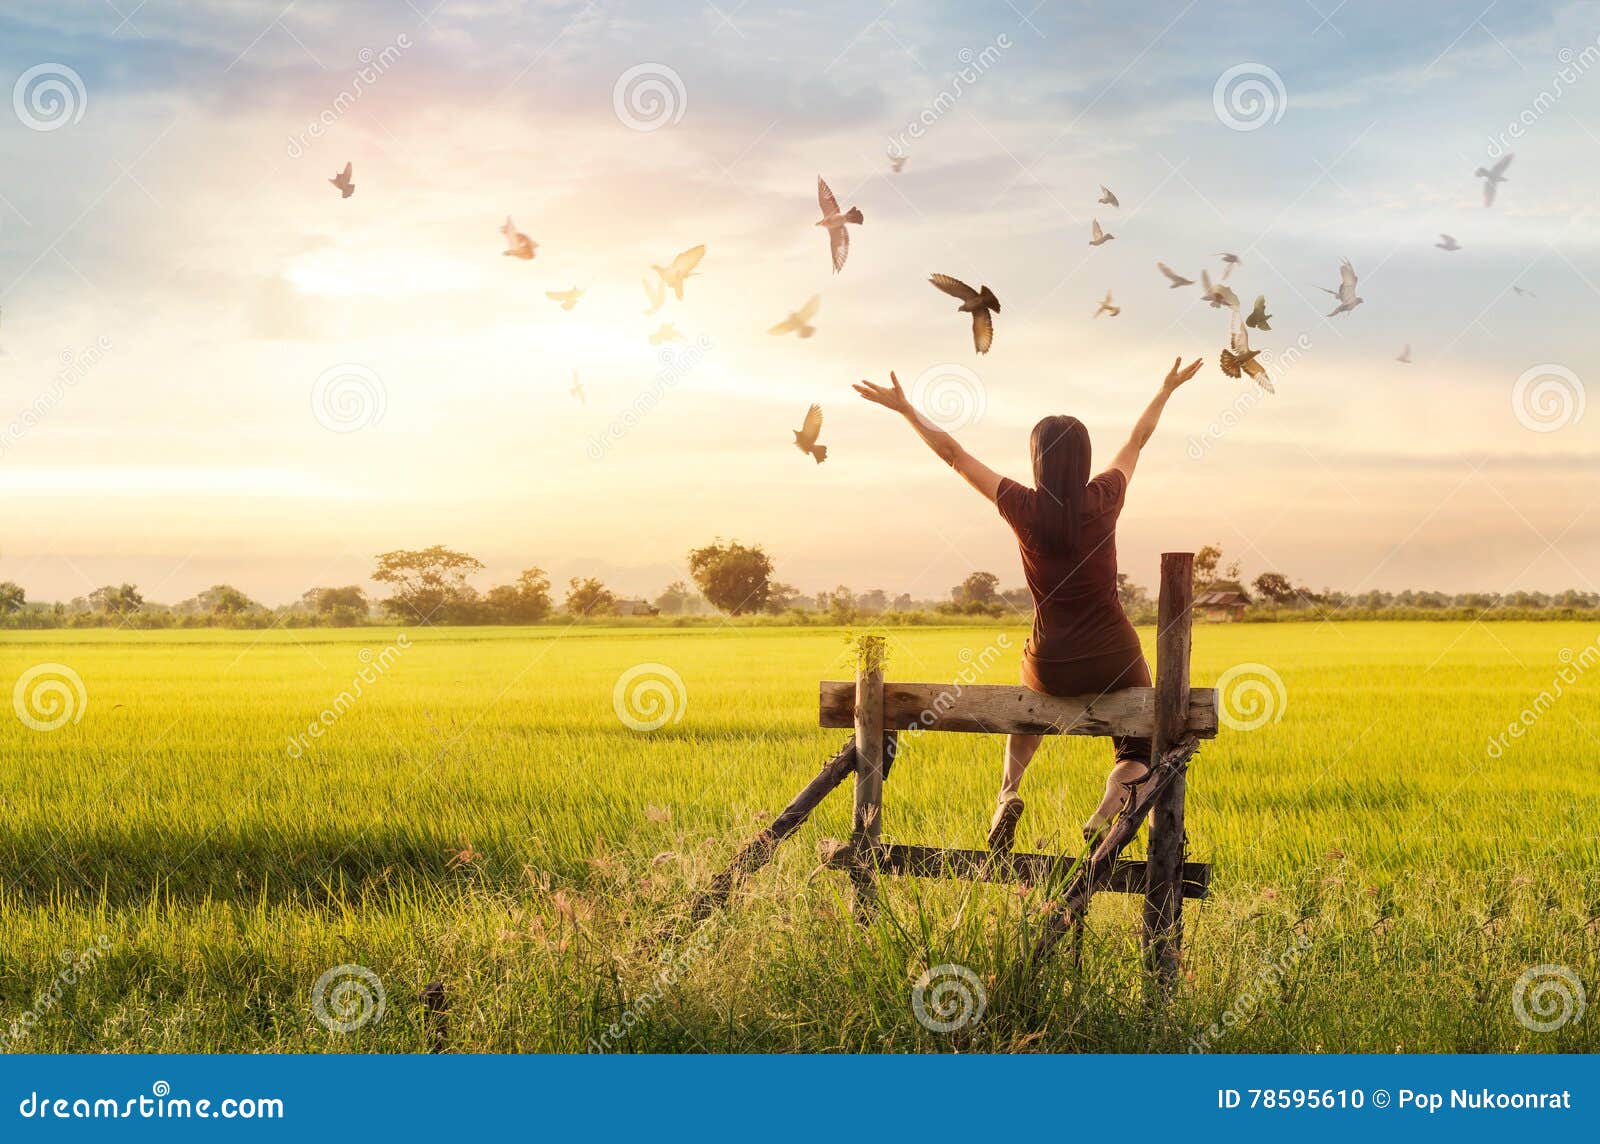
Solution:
(636, 608)
(1222, 602)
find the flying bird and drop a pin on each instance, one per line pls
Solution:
(1098, 236)
(1229, 262)
(666, 333)
(1492, 176)
(838, 237)
(805, 437)
(342, 181)
(1218, 295)
(1108, 307)
(1524, 293)
(1447, 242)
(1404, 357)
(1240, 359)
(518, 245)
(1107, 197)
(1259, 317)
(980, 303)
(567, 298)
(799, 321)
(577, 389)
(1174, 278)
(1346, 293)
(682, 267)
(897, 161)
(656, 294)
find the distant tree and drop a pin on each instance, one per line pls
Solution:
(116, 600)
(338, 607)
(980, 588)
(674, 599)
(430, 584)
(736, 578)
(840, 604)
(1017, 599)
(589, 598)
(525, 602)
(873, 602)
(1130, 594)
(224, 600)
(782, 597)
(902, 602)
(11, 598)
(1205, 566)
(1275, 586)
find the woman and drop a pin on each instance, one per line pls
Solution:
(1066, 527)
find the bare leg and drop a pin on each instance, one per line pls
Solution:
(1125, 772)
(1019, 753)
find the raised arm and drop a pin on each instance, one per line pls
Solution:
(948, 449)
(1143, 429)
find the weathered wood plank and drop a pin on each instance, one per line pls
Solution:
(1125, 877)
(995, 709)
(867, 826)
(1163, 902)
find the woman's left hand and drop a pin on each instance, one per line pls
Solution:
(892, 397)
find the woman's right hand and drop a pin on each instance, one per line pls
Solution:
(890, 397)
(1180, 373)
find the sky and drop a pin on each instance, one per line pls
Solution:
(215, 369)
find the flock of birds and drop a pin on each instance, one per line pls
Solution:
(1237, 359)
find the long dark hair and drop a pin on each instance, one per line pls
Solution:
(1060, 448)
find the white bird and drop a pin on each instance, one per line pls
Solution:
(666, 333)
(1229, 262)
(682, 267)
(897, 161)
(800, 320)
(1098, 236)
(1493, 175)
(1346, 293)
(978, 303)
(1404, 357)
(1107, 197)
(342, 181)
(1173, 277)
(805, 437)
(656, 293)
(1218, 295)
(518, 245)
(1447, 242)
(1240, 358)
(1108, 307)
(834, 221)
(567, 298)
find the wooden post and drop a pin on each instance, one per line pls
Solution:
(1163, 902)
(867, 826)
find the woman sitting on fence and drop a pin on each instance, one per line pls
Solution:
(1066, 527)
